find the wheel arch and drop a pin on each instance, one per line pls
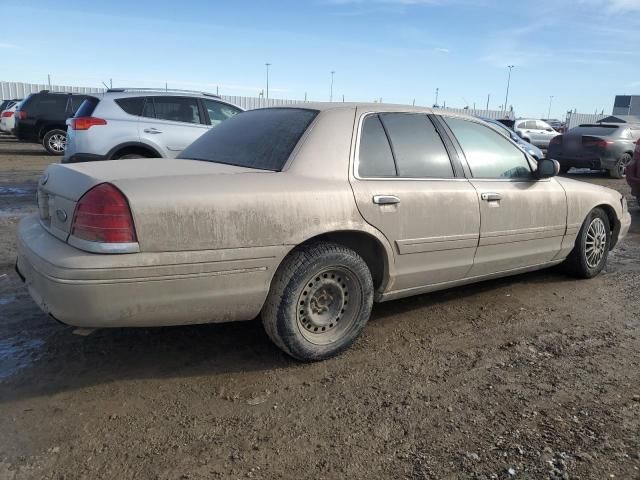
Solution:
(47, 127)
(614, 223)
(373, 250)
(132, 147)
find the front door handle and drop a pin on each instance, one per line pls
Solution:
(490, 197)
(385, 199)
(152, 130)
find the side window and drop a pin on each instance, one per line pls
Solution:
(131, 105)
(52, 104)
(417, 148)
(542, 125)
(531, 125)
(148, 110)
(375, 158)
(219, 112)
(488, 154)
(76, 101)
(177, 109)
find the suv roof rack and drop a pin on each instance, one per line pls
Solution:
(168, 90)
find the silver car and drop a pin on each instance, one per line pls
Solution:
(536, 132)
(138, 123)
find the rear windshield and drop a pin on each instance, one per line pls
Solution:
(599, 130)
(261, 139)
(87, 107)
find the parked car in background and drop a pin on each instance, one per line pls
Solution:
(537, 132)
(8, 119)
(501, 128)
(5, 104)
(305, 215)
(41, 118)
(633, 173)
(134, 123)
(557, 125)
(598, 146)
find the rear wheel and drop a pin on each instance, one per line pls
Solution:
(564, 168)
(617, 171)
(55, 141)
(130, 155)
(319, 301)
(589, 255)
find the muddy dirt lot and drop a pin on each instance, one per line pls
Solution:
(536, 376)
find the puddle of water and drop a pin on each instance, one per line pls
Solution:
(16, 191)
(16, 354)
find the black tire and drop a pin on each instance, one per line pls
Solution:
(130, 155)
(618, 170)
(319, 302)
(564, 168)
(580, 262)
(55, 141)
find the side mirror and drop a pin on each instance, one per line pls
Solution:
(548, 168)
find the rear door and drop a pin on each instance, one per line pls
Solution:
(408, 186)
(171, 123)
(522, 219)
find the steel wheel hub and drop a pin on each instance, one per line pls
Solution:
(595, 243)
(327, 305)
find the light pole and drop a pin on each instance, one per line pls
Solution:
(267, 65)
(549, 111)
(436, 104)
(331, 92)
(506, 98)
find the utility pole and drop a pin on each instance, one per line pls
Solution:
(488, 97)
(267, 65)
(437, 90)
(331, 91)
(49, 80)
(305, 97)
(111, 83)
(506, 98)
(549, 111)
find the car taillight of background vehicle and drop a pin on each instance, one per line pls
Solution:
(85, 123)
(7, 114)
(596, 142)
(103, 215)
(20, 115)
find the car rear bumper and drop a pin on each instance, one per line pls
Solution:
(142, 289)
(625, 224)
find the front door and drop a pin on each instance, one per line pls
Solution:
(522, 219)
(405, 185)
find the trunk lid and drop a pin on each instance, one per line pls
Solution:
(61, 185)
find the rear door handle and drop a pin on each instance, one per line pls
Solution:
(385, 199)
(152, 130)
(490, 196)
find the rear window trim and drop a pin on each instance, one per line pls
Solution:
(457, 176)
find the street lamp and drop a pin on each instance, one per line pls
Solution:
(549, 111)
(506, 98)
(267, 65)
(331, 93)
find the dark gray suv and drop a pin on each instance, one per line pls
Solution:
(599, 146)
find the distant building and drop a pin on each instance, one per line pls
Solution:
(626, 105)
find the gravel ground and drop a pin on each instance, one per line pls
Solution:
(535, 376)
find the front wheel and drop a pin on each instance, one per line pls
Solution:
(618, 170)
(319, 302)
(589, 255)
(55, 141)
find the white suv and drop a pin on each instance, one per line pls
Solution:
(536, 132)
(134, 123)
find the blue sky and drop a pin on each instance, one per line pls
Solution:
(583, 52)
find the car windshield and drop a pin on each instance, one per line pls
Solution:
(261, 139)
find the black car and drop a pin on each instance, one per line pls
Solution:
(41, 118)
(600, 146)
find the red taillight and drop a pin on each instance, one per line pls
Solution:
(596, 142)
(85, 123)
(7, 114)
(20, 115)
(103, 215)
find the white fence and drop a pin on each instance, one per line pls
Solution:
(10, 90)
(575, 119)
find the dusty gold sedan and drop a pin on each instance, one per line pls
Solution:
(306, 216)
